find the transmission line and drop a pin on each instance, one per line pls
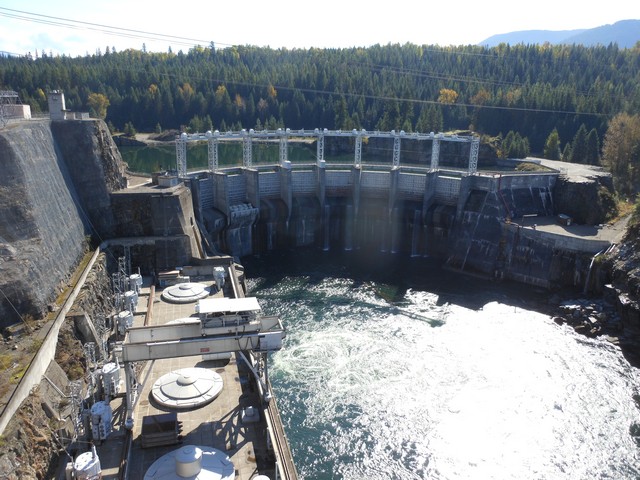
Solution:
(108, 29)
(145, 35)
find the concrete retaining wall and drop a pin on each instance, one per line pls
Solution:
(45, 354)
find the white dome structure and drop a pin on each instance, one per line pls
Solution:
(185, 292)
(192, 462)
(187, 388)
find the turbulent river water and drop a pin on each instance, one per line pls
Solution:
(395, 369)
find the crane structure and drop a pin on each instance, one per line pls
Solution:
(224, 325)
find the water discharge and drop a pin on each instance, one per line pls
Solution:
(379, 380)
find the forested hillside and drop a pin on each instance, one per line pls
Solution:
(625, 34)
(529, 90)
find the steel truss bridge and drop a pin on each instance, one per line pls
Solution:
(247, 137)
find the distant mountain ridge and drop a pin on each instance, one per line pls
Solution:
(625, 33)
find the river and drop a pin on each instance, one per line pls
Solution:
(396, 369)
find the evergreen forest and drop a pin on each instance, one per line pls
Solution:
(534, 94)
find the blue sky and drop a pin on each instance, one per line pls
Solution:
(325, 24)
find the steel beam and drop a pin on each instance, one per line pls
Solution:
(177, 331)
(435, 154)
(283, 136)
(186, 347)
(473, 155)
(181, 155)
(212, 150)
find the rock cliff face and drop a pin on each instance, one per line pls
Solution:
(587, 199)
(625, 277)
(95, 166)
(54, 191)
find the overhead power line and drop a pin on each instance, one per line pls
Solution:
(97, 27)
(177, 40)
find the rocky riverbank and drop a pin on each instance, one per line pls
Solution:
(613, 310)
(598, 317)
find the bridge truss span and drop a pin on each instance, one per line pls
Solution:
(282, 136)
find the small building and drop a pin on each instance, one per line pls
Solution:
(11, 108)
(58, 110)
(565, 220)
(165, 179)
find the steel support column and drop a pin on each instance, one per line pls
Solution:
(212, 150)
(396, 151)
(358, 152)
(247, 153)
(181, 155)
(284, 143)
(131, 393)
(435, 154)
(473, 155)
(320, 147)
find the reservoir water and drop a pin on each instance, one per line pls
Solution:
(155, 158)
(395, 369)
(158, 157)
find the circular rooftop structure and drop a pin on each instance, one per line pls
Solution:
(188, 292)
(192, 462)
(187, 388)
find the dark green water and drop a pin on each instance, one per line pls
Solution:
(156, 158)
(395, 369)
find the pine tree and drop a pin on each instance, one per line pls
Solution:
(552, 146)
(593, 148)
(579, 146)
(129, 129)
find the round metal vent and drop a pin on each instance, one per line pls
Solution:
(187, 388)
(185, 292)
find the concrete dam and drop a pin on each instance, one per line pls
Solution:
(65, 183)
(468, 217)
(393, 210)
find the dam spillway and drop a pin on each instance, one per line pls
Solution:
(248, 209)
(322, 204)
(407, 210)
(427, 205)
